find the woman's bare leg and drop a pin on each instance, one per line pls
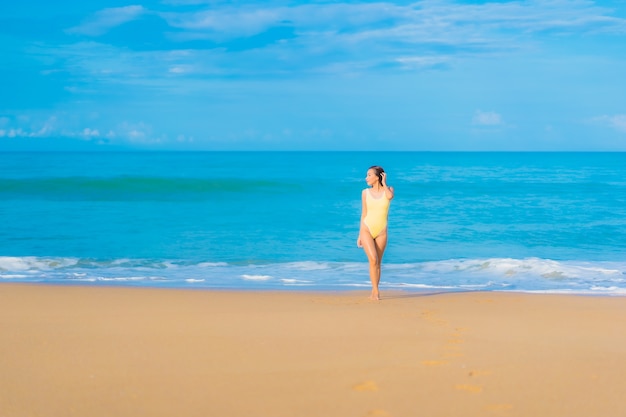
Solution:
(381, 243)
(372, 251)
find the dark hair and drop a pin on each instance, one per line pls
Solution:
(378, 170)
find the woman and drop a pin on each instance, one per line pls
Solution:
(373, 231)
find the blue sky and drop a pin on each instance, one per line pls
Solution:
(314, 75)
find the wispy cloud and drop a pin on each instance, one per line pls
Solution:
(617, 121)
(487, 118)
(322, 37)
(226, 23)
(104, 20)
(328, 39)
(355, 36)
(420, 22)
(148, 67)
(420, 62)
(22, 126)
(77, 127)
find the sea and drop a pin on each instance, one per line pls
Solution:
(460, 221)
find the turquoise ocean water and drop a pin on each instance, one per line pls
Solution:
(538, 222)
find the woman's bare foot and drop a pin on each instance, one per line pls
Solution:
(375, 297)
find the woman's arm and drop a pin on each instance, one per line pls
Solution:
(363, 206)
(388, 190)
(363, 214)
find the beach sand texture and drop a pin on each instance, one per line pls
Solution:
(105, 351)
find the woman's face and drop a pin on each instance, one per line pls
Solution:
(371, 178)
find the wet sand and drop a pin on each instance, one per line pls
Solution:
(103, 351)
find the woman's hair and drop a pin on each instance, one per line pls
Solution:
(378, 171)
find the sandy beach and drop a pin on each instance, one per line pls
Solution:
(105, 351)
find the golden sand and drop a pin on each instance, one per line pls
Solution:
(117, 352)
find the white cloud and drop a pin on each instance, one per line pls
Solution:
(23, 127)
(227, 23)
(362, 36)
(184, 139)
(617, 121)
(48, 127)
(65, 125)
(104, 20)
(419, 62)
(327, 37)
(138, 134)
(446, 21)
(487, 118)
(178, 70)
(88, 133)
(186, 2)
(17, 133)
(12, 133)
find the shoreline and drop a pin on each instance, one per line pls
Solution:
(529, 275)
(144, 351)
(321, 290)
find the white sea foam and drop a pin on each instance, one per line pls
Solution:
(211, 264)
(506, 267)
(612, 291)
(120, 262)
(13, 276)
(490, 274)
(356, 284)
(609, 290)
(419, 286)
(308, 265)
(9, 263)
(295, 281)
(120, 279)
(256, 277)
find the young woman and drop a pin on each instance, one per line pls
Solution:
(373, 231)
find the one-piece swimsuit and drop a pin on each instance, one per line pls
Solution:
(377, 211)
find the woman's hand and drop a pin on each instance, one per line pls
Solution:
(358, 242)
(387, 189)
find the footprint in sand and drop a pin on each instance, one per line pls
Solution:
(479, 372)
(452, 348)
(366, 386)
(474, 389)
(378, 413)
(431, 317)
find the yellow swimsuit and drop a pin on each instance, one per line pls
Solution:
(377, 210)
